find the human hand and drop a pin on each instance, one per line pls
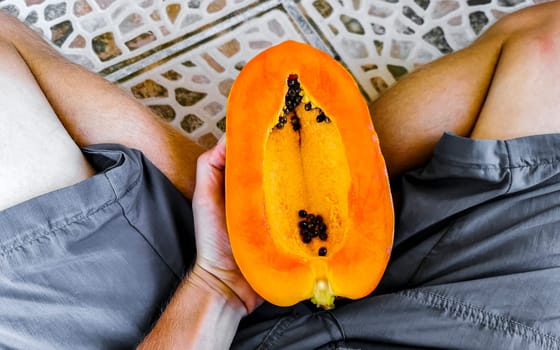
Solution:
(215, 263)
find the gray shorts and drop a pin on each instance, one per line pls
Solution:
(475, 263)
(90, 266)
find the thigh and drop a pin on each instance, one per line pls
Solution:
(36, 154)
(444, 95)
(449, 93)
(94, 111)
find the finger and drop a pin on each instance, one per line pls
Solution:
(210, 170)
(218, 157)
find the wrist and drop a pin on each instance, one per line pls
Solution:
(200, 309)
(202, 279)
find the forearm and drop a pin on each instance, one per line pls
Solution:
(200, 315)
(72, 91)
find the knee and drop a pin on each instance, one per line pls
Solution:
(7, 21)
(530, 23)
(532, 33)
(8, 24)
(538, 45)
(10, 27)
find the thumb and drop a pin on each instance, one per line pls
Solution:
(210, 169)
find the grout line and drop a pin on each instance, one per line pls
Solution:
(307, 30)
(207, 31)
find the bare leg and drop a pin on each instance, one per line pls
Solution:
(95, 111)
(36, 153)
(448, 94)
(525, 92)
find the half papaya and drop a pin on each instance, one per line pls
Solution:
(308, 204)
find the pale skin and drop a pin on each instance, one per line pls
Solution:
(503, 86)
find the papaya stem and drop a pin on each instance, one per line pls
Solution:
(323, 295)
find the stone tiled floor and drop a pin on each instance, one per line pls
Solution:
(181, 57)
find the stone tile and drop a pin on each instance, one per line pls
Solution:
(147, 89)
(199, 80)
(186, 97)
(166, 112)
(105, 47)
(54, 11)
(60, 32)
(125, 20)
(394, 36)
(191, 122)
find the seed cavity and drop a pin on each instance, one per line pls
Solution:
(293, 98)
(321, 117)
(311, 226)
(296, 123)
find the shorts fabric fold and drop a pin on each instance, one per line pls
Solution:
(91, 265)
(475, 265)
